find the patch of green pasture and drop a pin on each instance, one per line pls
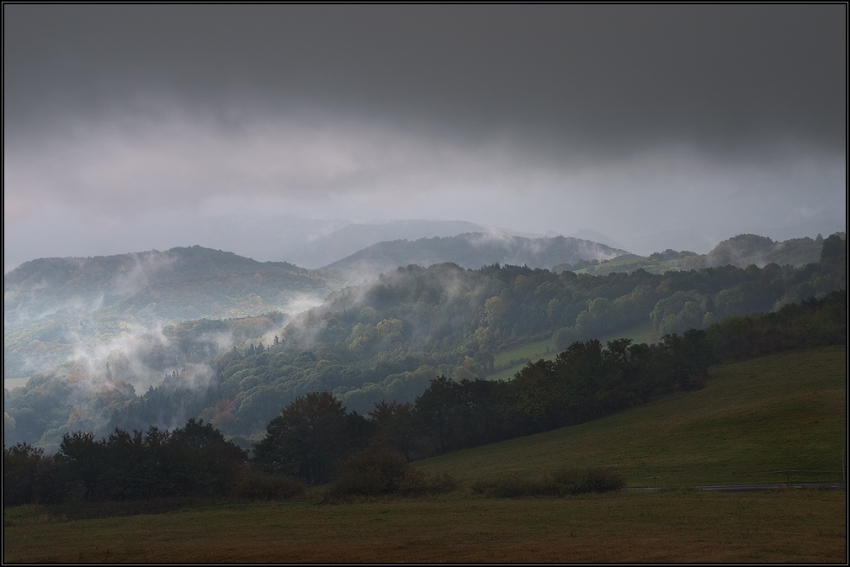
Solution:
(533, 351)
(752, 422)
(547, 350)
(631, 265)
(638, 262)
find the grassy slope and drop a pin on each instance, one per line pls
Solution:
(752, 420)
(630, 265)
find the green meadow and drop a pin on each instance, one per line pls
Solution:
(753, 421)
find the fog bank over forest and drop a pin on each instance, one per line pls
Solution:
(158, 337)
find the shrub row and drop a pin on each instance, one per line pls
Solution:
(562, 482)
(378, 471)
(257, 485)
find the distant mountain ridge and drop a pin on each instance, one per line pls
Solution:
(746, 249)
(742, 250)
(473, 250)
(53, 307)
(105, 272)
(110, 280)
(349, 239)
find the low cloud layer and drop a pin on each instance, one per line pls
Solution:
(127, 128)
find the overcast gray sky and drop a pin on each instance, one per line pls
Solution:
(131, 127)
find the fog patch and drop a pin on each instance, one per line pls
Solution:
(136, 275)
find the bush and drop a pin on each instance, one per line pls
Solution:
(258, 485)
(378, 471)
(562, 482)
(515, 487)
(370, 472)
(577, 481)
(417, 483)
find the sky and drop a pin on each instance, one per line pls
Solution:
(133, 127)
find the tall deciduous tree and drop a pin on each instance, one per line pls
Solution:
(307, 440)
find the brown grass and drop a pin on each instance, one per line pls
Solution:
(690, 526)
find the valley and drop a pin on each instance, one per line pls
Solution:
(96, 340)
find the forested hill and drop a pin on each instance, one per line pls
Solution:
(746, 249)
(53, 307)
(741, 251)
(388, 339)
(473, 250)
(178, 284)
(123, 273)
(349, 239)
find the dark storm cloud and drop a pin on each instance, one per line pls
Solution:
(128, 127)
(600, 77)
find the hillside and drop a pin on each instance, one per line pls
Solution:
(752, 420)
(347, 240)
(388, 339)
(588, 234)
(52, 306)
(71, 285)
(472, 250)
(741, 251)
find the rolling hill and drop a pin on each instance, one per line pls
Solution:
(349, 239)
(740, 251)
(52, 306)
(472, 250)
(751, 423)
(74, 285)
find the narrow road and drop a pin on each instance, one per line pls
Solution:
(758, 487)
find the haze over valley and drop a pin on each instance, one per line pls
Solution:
(131, 323)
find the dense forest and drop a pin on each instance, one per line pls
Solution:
(742, 250)
(387, 340)
(55, 307)
(472, 250)
(314, 440)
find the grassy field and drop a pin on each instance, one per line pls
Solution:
(782, 526)
(532, 350)
(546, 349)
(751, 420)
(630, 265)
